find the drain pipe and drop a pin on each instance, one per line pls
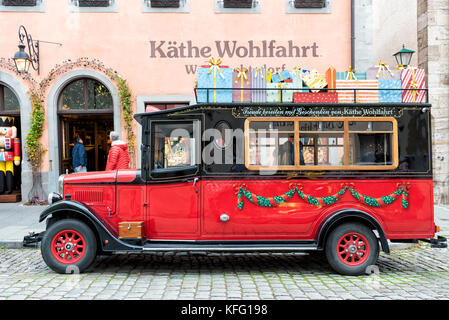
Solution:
(352, 34)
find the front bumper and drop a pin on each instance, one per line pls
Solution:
(32, 240)
(440, 242)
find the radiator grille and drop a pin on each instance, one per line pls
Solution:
(89, 196)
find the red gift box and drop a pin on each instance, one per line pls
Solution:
(315, 97)
(413, 78)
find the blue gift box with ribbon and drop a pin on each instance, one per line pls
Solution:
(280, 76)
(390, 95)
(212, 77)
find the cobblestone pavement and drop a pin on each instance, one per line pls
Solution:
(414, 273)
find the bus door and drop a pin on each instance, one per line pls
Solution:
(173, 188)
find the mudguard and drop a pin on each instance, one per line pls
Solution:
(351, 215)
(107, 240)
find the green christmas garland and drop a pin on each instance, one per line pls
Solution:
(275, 201)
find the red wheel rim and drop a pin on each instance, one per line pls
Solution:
(353, 249)
(68, 246)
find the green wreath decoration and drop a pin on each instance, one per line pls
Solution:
(275, 201)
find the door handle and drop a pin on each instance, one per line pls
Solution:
(195, 181)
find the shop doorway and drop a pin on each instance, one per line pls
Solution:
(94, 131)
(85, 109)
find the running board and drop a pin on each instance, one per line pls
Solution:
(241, 247)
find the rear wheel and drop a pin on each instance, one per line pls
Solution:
(351, 248)
(69, 246)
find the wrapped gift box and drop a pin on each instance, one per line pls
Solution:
(280, 76)
(390, 95)
(214, 77)
(382, 72)
(279, 95)
(314, 80)
(297, 74)
(349, 75)
(413, 78)
(241, 79)
(361, 96)
(259, 81)
(331, 77)
(315, 97)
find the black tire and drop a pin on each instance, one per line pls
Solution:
(358, 248)
(73, 256)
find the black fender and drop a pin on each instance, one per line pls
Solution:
(351, 215)
(77, 210)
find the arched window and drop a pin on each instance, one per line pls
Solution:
(9, 104)
(85, 95)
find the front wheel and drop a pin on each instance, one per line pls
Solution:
(69, 246)
(351, 248)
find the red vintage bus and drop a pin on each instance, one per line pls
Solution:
(341, 179)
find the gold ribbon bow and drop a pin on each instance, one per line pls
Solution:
(215, 66)
(258, 71)
(381, 67)
(241, 76)
(351, 74)
(401, 67)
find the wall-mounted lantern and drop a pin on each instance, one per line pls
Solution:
(24, 60)
(404, 56)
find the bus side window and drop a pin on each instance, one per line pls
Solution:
(174, 145)
(370, 143)
(322, 143)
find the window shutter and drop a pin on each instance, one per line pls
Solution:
(299, 4)
(165, 3)
(237, 3)
(94, 3)
(19, 3)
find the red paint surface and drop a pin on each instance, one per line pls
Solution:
(184, 211)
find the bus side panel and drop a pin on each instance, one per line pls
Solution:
(291, 220)
(298, 220)
(417, 221)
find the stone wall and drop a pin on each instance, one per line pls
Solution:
(392, 25)
(433, 56)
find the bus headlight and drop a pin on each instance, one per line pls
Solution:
(61, 184)
(54, 197)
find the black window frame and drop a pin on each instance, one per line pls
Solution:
(173, 172)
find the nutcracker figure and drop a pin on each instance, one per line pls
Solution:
(9, 154)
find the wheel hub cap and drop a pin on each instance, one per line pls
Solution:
(353, 249)
(68, 246)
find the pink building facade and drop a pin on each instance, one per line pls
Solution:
(157, 51)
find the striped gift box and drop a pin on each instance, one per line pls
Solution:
(351, 75)
(241, 79)
(413, 78)
(259, 81)
(362, 96)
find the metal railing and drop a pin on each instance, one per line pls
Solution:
(355, 91)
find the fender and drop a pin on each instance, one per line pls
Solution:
(351, 215)
(107, 240)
